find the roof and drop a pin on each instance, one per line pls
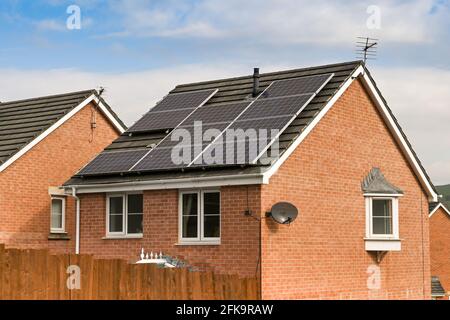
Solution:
(436, 288)
(238, 90)
(23, 121)
(234, 90)
(434, 206)
(375, 182)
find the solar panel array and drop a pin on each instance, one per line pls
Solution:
(172, 110)
(242, 131)
(266, 119)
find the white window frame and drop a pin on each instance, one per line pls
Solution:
(200, 239)
(369, 217)
(63, 218)
(124, 233)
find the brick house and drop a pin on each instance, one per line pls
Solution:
(340, 158)
(43, 142)
(440, 249)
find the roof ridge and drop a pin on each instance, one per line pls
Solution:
(5, 103)
(359, 62)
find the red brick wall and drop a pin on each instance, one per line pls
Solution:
(440, 247)
(238, 252)
(24, 198)
(322, 255)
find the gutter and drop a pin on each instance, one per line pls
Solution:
(77, 221)
(216, 181)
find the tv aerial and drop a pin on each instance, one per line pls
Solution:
(283, 213)
(366, 48)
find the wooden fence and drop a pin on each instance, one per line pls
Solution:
(38, 275)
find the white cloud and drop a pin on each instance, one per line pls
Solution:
(130, 94)
(50, 25)
(282, 21)
(419, 97)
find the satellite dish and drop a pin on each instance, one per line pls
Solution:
(284, 213)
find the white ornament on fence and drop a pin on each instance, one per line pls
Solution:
(154, 259)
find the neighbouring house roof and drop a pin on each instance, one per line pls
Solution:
(434, 206)
(436, 288)
(23, 123)
(375, 182)
(238, 90)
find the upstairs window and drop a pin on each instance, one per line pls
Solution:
(124, 215)
(199, 217)
(383, 217)
(58, 208)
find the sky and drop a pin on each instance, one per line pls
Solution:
(140, 49)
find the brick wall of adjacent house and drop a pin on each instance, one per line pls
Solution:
(24, 195)
(440, 247)
(322, 254)
(237, 253)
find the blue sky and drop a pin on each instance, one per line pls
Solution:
(140, 49)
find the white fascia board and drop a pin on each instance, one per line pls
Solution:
(386, 116)
(59, 123)
(399, 137)
(440, 205)
(187, 183)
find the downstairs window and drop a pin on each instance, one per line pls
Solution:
(124, 216)
(199, 217)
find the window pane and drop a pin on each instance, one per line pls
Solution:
(57, 206)
(115, 205)
(135, 224)
(382, 225)
(135, 203)
(212, 227)
(212, 203)
(190, 202)
(381, 208)
(56, 221)
(190, 227)
(382, 216)
(115, 223)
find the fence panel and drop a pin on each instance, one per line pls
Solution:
(39, 275)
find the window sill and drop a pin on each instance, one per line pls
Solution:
(125, 237)
(380, 244)
(198, 243)
(58, 236)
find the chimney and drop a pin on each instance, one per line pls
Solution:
(255, 82)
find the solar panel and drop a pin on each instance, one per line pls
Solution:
(297, 86)
(172, 110)
(275, 107)
(113, 162)
(216, 113)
